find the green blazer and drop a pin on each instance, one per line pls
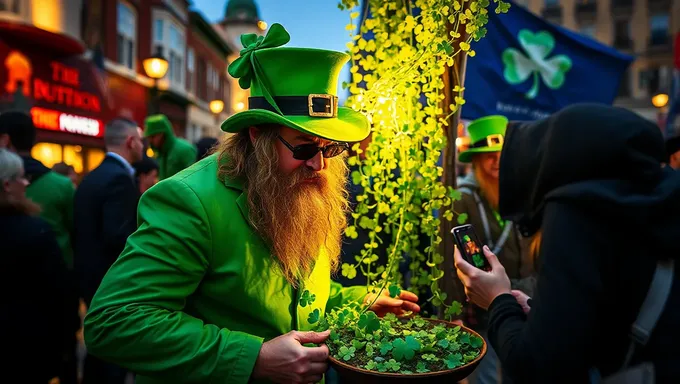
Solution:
(196, 291)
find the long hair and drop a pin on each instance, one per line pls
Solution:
(488, 187)
(290, 217)
(11, 167)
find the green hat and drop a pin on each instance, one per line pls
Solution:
(156, 124)
(486, 135)
(294, 87)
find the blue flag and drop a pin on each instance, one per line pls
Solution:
(526, 69)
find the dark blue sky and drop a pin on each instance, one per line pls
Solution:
(311, 23)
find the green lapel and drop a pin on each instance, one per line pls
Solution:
(241, 200)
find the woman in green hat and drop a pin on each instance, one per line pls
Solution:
(480, 202)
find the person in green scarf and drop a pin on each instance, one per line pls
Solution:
(229, 273)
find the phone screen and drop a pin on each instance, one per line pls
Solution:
(470, 247)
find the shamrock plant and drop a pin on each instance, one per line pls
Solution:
(398, 58)
(405, 346)
(537, 46)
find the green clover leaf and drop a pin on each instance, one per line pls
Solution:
(394, 290)
(454, 360)
(421, 367)
(346, 353)
(476, 342)
(537, 46)
(371, 365)
(405, 348)
(369, 321)
(385, 347)
(314, 316)
(462, 218)
(307, 299)
(349, 271)
(393, 365)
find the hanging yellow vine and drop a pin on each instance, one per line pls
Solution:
(398, 58)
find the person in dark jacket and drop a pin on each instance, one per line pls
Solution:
(479, 201)
(146, 173)
(105, 215)
(590, 178)
(33, 318)
(54, 194)
(205, 147)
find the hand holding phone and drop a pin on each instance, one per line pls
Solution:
(470, 247)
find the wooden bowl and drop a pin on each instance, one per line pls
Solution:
(355, 375)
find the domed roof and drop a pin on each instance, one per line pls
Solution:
(241, 10)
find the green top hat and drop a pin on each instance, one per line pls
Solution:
(486, 135)
(295, 87)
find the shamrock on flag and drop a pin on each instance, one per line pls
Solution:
(537, 47)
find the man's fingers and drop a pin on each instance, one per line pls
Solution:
(410, 306)
(408, 296)
(312, 337)
(461, 264)
(317, 354)
(493, 260)
(386, 301)
(463, 278)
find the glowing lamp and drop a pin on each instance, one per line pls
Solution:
(262, 25)
(216, 106)
(156, 66)
(239, 106)
(660, 100)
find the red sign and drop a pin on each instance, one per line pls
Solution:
(59, 121)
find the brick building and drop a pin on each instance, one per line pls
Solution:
(643, 28)
(75, 64)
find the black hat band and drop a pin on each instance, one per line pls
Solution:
(315, 105)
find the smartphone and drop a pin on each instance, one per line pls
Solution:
(470, 247)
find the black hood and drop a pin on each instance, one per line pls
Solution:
(33, 169)
(606, 158)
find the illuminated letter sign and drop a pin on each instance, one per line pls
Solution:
(59, 121)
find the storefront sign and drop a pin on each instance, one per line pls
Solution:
(59, 121)
(62, 87)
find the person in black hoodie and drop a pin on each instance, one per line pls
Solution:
(590, 178)
(34, 317)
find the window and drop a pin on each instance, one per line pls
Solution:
(659, 24)
(212, 82)
(176, 55)
(13, 6)
(158, 31)
(127, 35)
(191, 68)
(170, 38)
(588, 30)
(551, 3)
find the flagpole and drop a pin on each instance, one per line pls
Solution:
(454, 76)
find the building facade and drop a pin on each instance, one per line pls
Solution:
(75, 64)
(206, 78)
(642, 28)
(240, 17)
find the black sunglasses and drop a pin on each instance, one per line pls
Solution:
(307, 151)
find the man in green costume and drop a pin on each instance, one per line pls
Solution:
(229, 273)
(173, 153)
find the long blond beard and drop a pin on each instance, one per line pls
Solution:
(297, 220)
(488, 187)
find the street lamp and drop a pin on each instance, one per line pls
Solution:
(155, 67)
(660, 100)
(216, 106)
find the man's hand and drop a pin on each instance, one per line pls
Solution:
(482, 287)
(386, 304)
(285, 359)
(522, 299)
